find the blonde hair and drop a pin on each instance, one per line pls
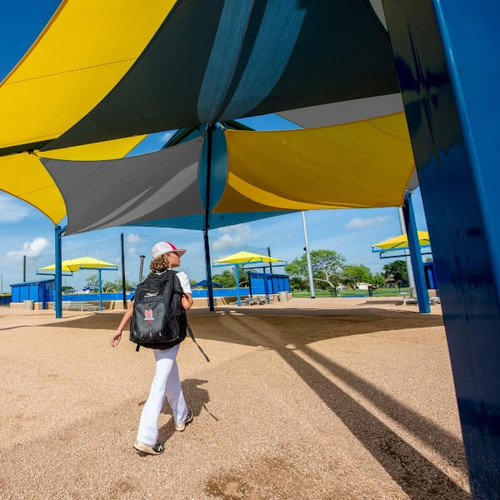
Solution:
(160, 263)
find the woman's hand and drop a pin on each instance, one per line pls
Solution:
(115, 338)
(186, 301)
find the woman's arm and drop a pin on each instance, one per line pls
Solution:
(187, 301)
(116, 337)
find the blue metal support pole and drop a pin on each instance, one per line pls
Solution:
(100, 289)
(124, 282)
(237, 276)
(58, 271)
(266, 287)
(210, 290)
(447, 55)
(416, 256)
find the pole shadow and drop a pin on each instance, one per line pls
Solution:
(415, 474)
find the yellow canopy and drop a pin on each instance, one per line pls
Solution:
(245, 258)
(401, 242)
(84, 51)
(79, 264)
(356, 165)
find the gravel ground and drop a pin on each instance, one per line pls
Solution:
(323, 399)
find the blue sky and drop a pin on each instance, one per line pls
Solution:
(25, 231)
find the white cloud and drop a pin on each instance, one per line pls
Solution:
(360, 223)
(31, 249)
(133, 239)
(233, 237)
(11, 210)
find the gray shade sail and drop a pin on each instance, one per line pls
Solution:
(110, 193)
(219, 60)
(338, 113)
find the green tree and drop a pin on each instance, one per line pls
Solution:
(130, 285)
(378, 279)
(227, 279)
(397, 270)
(297, 283)
(116, 286)
(353, 274)
(297, 269)
(111, 286)
(326, 266)
(92, 281)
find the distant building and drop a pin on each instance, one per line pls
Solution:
(363, 286)
(391, 283)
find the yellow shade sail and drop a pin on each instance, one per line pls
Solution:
(245, 258)
(356, 165)
(83, 52)
(80, 264)
(401, 242)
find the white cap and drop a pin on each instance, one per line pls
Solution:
(165, 247)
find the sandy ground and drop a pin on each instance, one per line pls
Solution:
(323, 399)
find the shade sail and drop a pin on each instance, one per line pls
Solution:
(253, 175)
(198, 62)
(358, 165)
(86, 48)
(104, 75)
(131, 190)
(245, 258)
(211, 61)
(82, 263)
(82, 53)
(24, 176)
(338, 113)
(347, 112)
(401, 242)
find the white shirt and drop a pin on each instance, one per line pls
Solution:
(186, 286)
(184, 280)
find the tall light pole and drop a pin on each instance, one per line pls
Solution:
(409, 268)
(308, 257)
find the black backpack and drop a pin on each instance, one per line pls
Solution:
(159, 320)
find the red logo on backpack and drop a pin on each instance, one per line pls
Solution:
(148, 316)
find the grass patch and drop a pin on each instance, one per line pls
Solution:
(379, 292)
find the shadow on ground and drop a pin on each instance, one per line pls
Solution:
(290, 333)
(300, 325)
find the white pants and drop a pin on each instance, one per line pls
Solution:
(166, 382)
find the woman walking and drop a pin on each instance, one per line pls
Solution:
(166, 381)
